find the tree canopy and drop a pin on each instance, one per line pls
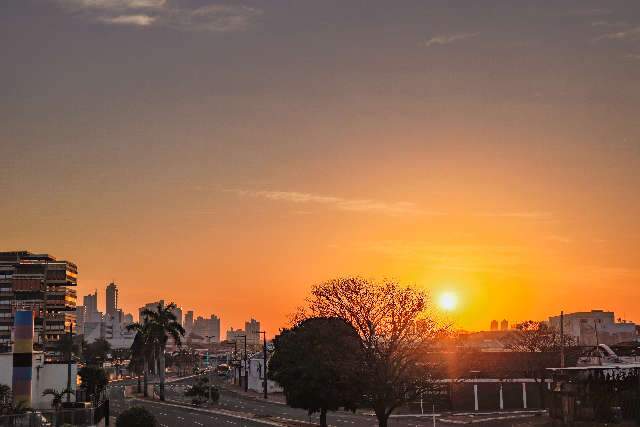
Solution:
(395, 330)
(318, 363)
(136, 416)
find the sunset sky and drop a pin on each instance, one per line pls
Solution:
(228, 155)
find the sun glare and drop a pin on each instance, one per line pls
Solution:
(448, 301)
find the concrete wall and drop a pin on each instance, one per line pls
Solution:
(256, 373)
(50, 375)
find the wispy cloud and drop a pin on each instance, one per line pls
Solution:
(139, 20)
(632, 33)
(448, 38)
(499, 259)
(533, 215)
(590, 12)
(339, 203)
(162, 13)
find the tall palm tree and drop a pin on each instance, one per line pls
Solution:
(162, 324)
(141, 350)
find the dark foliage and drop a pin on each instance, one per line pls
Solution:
(136, 416)
(200, 390)
(319, 364)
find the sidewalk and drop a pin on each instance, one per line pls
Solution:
(237, 390)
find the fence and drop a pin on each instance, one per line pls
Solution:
(80, 417)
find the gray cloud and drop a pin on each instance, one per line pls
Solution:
(626, 34)
(214, 17)
(448, 38)
(136, 20)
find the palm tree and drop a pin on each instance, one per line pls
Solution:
(162, 324)
(141, 350)
(56, 402)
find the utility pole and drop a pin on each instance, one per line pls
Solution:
(562, 339)
(264, 362)
(70, 351)
(43, 333)
(209, 364)
(246, 367)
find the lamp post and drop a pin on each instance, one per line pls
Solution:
(264, 362)
(246, 368)
(208, 337)
(70, 352)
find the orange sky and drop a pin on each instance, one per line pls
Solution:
(483, 149)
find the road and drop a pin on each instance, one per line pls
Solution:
(239, 410)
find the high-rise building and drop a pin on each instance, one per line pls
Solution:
(504, 325)
(90, 303)
(252, 330)
(111, 295)
(188, 321)
(494, 325)
(149, 306)
(81, 314)
(208, 328)
(40, 283)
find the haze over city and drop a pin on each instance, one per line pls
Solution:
(229, 156)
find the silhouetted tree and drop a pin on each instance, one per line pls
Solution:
(318, 363)
(94, 380)
(540, 345)
(201, 390)
(142, 351)
(96, 352)
(395, 331)
(162, 324)
(136, 416)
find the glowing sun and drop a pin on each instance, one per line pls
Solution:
(448, 301)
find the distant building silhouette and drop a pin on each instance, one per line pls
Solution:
(111, 295)
(595, 327)
(188, 321)
(504, 325)
(494, 325)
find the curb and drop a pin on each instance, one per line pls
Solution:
(224, 413)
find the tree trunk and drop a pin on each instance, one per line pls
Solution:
(139, 383)
(383, 416)
(146, 377)
(323, 417)
(162, 362)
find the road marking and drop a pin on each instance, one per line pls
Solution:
(228, 414)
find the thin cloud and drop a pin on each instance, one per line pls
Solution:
(627, 34)
(136, 20)
(591, 12)
(448, 38)
(534, 215)
(339, 203)
(161, 13)
(113, 4)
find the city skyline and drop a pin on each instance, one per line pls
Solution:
(197, 152)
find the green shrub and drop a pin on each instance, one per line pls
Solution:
(136, 416)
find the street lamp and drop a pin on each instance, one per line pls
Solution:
(246, 371)
(264, 362)
(208, 337)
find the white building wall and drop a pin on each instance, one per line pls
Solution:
(44, 376)
(256, 373)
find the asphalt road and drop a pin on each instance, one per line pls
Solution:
(260, 413)
(169, 416)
